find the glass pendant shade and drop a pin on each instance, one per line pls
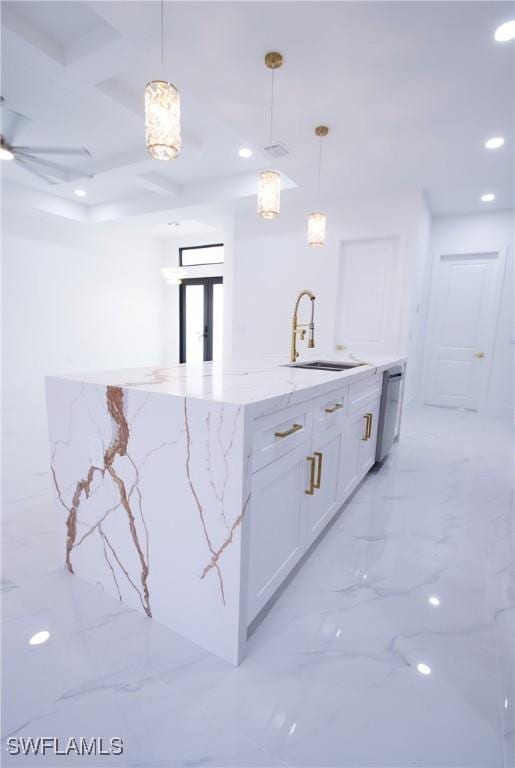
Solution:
(316, 229)
(162, 120)
(269, 194)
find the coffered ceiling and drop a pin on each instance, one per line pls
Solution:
(410, 91)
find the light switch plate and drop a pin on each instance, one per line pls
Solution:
(96, 452)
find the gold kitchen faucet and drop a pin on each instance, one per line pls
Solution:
(299, 329)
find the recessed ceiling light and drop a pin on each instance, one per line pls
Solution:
(495, 142)
(245, 152)
(174, 224)
(505, 32)
(424, 669)
(434, 600)
(39, 637)
(488, 197)
(80, 192)
(5, 153)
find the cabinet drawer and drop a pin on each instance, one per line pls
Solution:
(280, 432)
(329, 410)
(362, 391)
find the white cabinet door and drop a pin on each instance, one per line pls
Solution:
(277, 524)
(367, 452)
(353, 433)
(359, 440)
(323, 503)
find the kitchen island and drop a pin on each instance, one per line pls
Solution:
(191, 492)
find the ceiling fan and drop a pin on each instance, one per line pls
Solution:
(28, 157)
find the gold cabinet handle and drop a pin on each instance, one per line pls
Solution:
(479, 354)
(364, 437)
(311, 490)
(368, 426)
(319, 456)
(290, 431)
(333, 408)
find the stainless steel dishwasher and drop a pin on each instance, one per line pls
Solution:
(390, 411)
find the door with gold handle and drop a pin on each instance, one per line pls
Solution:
(311, 488)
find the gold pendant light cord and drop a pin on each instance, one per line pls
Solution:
(272, 109)
(162, 38)
(319, 163)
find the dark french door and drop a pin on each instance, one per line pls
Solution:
(201, 319)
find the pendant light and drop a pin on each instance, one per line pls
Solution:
(162, 113)
(269, 182)
(317, 221)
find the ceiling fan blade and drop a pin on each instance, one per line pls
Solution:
(27, 166)
(12, 122)
(62, 172)
(80, 151)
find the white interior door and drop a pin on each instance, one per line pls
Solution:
(464, 303)
(367, 309)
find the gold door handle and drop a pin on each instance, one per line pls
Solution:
(311, 490)
(479, 354)
(368, 426)
(290, 431)
(333, 408)
(319, 470)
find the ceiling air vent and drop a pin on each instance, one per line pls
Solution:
(277, 150)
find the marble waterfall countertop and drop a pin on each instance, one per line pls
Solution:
(241, 382)
(154, 492)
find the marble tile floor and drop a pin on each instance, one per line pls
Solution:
(417, 570)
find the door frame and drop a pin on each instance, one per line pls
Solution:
(500, 272)
(208, 283)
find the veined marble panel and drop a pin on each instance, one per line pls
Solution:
(150, 490)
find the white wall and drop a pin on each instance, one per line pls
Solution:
(486, 232)
(272, 263)
(75, 298)
(419, 306)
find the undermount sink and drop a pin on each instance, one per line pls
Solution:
(324, 365)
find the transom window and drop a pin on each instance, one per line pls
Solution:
(199, 255)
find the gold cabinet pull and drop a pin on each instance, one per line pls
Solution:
(368, 426)
(319, 456)
(479, 354)
(290, 431)
(333, 408)
(311, 490)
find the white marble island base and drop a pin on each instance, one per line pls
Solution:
(153, 474)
